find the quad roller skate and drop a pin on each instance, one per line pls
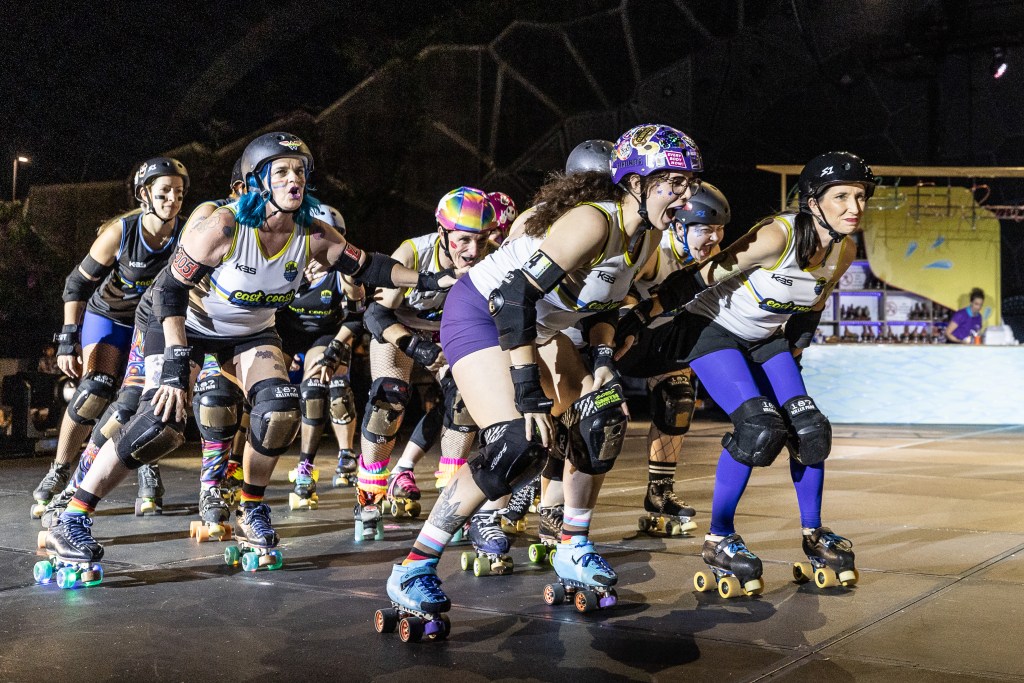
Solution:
(735, 570)
(346, 472)
(666, 514)
(584, 577)
(550, 532)
(831, 560)
(513, 517)
(417, 605)
(257, 540)
(54, 509)
(214, 513)
(403, 495)
(368, 517)
(53, 483)
(304, 496)
(490, 546)
(150, 498)
(73, 555)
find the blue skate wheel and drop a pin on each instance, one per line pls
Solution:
(278, 560)
(42, 572)
(359, 531)
(250, 562)
(67, 577)
(231, 555)
(386, 620)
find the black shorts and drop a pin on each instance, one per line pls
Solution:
(658, 351)
(293, 342)
(713, 337)
(222, 348)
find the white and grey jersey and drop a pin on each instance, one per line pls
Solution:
(421, 310)
(670, 258)
(598, 286)
(755, 303)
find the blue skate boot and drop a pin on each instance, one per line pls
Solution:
(256, 538)
(73, 554)
(417, 604)
(831, 559)
(735, 570)
(490, 545)
(583, 576)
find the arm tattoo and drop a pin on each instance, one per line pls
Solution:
(445, 515)
(264, 354)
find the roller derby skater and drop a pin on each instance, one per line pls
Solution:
(490, 545)
(780, 273)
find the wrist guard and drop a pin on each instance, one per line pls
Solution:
(177, 368)
(67, 339)
(530, 397)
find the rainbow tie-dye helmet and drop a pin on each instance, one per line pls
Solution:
(652, 147)
(505, 212)
(467, 209)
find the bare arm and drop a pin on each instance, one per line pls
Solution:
(762, 246)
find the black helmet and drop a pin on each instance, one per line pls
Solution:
(270, 146)
(236, 174)
(590, 156)
(834, 168)
(157, 167)
(707, 206)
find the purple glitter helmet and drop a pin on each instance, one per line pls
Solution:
(653, 147)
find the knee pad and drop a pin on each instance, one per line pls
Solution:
(275, 417)
(313, 397)
(117, 415)
(506, 459)
(672, 403)
(216, 403)
(92, 396)
(146, 438)
(810, 432)
(597, 428)
(456, 415)
(343, 401)
(383, 416)
(759, 435)
(427, 429)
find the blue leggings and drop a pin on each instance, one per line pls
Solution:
(730, 379)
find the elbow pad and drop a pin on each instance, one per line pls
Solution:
(77, 287)
(170, 296)
(513, 305)
(375, 270)
(378, 318)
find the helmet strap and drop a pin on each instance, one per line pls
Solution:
(645, 221)
(820, 219)
(268, 196)
(147, 204)
(444, 243)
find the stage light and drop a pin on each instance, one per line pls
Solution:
(998, 66)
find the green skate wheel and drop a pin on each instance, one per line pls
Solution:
(278, 560)
(42, 572)
(379, 533)
(250, 562)
(386, 620)
(551, 556)
(466, 561)
(554, 594)
(359, 531)
(67, 577)
(410, 629)
(481, 566)
(232, 555)
(93, 577)
(536, 552)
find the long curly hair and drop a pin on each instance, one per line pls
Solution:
(562, 192)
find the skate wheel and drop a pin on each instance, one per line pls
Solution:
(41, 540)
(753, 587)
(228, 533)
(37, 510)
(291, 476)
(138, 508)
(42, 571)
(551, 557)
(92, 577)
(410, 629)
(536, 553)
(232, 555)
(444, 627)
(673, 528)
(250, 562)
(481, 566)
(386, 620)
(466, 560)
(415, 509)
(643, 524)
(554, 594)
(395, 510)
(703, 582)
(802, 572)
(276, 560)
(379, 533)
(848, 577)
(586, 601)
(729, 587)
(67, 577)
(825, 578)
(193, 528)
(359, 531)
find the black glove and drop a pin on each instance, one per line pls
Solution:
(335, 354)
(420, 350)
(177, 367)
(679, 288)
(530, 396)
(603, 356)
(427, 282)
(67, 340)
(635, 319)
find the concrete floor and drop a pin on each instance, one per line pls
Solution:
(934, 512)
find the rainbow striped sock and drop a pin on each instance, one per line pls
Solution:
(373, 476)
(575, 523)
(429, 545)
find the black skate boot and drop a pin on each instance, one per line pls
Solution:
(490, 546)
(256, 538)
(666, 514)
(213, 514)
(736, 570)
(368, 516)
(150, 498)
(513, 517)
(831, 560)
(73, 554)
(53, 483)
(56, 507)
(549, 529)
(346, 472)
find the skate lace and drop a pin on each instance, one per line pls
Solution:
(833, 540)
(61, 500)
(737, 547)
(403, 481)
(593, 558)
(258, 520)
(488, 526)
(668, 493)
(214, 497)
(430, 586)
(76, 530)
(305, 469)
(52, 478)
(552, 516)
(520, 502)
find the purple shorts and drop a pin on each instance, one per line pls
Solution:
(466, 326)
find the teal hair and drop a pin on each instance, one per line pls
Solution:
(252, 206)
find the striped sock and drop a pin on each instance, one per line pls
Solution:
(215, 464)
(660, 470)
(84, 503)
(373, 476)
(575, 523)
(429, 545)
(252, 494)
(446, 469)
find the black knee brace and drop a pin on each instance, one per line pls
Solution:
(427, 429)
(275, 418)
(146, 438)
(216, 403)
(597, 427)
(810, 432)
(92, 396)
(554, 466)
(759, 435)
(456, 415)
(506, 458)
(672, 402)
(383, 416)
(313, 397)
(117, 415)
(343, 401)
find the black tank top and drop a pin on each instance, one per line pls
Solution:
(135, 269)
(316, 309)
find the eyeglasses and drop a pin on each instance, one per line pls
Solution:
(681, 184)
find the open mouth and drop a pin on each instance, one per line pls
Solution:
(295, 193)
